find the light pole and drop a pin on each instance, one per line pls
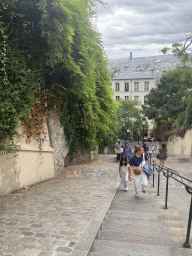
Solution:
(143, 123)
(127, 134)
(138, 131)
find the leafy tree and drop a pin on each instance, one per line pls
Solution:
(165, 102)
(181, 50)
(170, 103)
(129, 116)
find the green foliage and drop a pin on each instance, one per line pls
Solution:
(129, 116)
(188, 116)
(166, 100)
(171, 101)
(181, 50)
(17, 85)
(163, 130)
(56, 38)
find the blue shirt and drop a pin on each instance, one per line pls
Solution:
(118, 146)
(127, 151)
(136, 161)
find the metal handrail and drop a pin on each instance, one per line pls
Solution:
(170, 173)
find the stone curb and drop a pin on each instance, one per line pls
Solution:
(85, 243)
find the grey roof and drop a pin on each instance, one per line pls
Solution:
(157, 63)
(134, 75)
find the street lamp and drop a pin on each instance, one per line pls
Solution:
(128, 134)
(138, 131)
(143, 123)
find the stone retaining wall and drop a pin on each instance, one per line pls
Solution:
(58, 141)
(31, 164)
(178, 146)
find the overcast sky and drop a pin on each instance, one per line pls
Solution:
(142, 27)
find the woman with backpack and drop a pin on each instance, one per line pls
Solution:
(127, 152)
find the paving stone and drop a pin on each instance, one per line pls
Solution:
(30, 252)
(55, 210)
(64, 249)
(45, 253)
(27, 233)
(40, 235)
(58, 213)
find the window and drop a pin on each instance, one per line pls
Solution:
(126, 87)
(117, 98)
(116, 87)
(136, 98)
(146, 86)
(136, 86)
(145, 100)
(126, 97)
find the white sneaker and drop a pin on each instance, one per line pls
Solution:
(143, 190)
(136, 194)
(126, 188)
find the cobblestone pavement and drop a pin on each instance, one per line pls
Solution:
(52, 218)
(62, 216)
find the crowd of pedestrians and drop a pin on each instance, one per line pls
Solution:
(132, 162)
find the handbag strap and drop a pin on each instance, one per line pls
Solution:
(143, 158)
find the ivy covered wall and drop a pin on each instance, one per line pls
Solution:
(51, 54)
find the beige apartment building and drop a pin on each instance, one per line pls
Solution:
(134, 86)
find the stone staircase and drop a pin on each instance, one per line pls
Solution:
(141, 226)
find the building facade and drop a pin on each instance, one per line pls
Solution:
(133, 86)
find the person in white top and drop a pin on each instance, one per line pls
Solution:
(121, 151)
(153, 149)
(123, 172)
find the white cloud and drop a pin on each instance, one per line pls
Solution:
(142, 25)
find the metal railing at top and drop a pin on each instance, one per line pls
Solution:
(169, 173)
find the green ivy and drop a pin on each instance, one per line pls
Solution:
(57, 40)
(17, 86)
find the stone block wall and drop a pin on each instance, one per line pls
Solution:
(178, 146)
(58, 141)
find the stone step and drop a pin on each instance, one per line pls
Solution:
(141, 226)
(125, 214)
(144, 227)
(161, 214)
(109, 248)
(136, 237)
(137, 220)
(173, 252)
(134, 207)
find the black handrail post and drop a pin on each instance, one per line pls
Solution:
(186, 243)
(167, 184)
(153, 174)
(150, 156)
(158, 182)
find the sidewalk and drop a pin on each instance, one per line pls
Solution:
(61, 216)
